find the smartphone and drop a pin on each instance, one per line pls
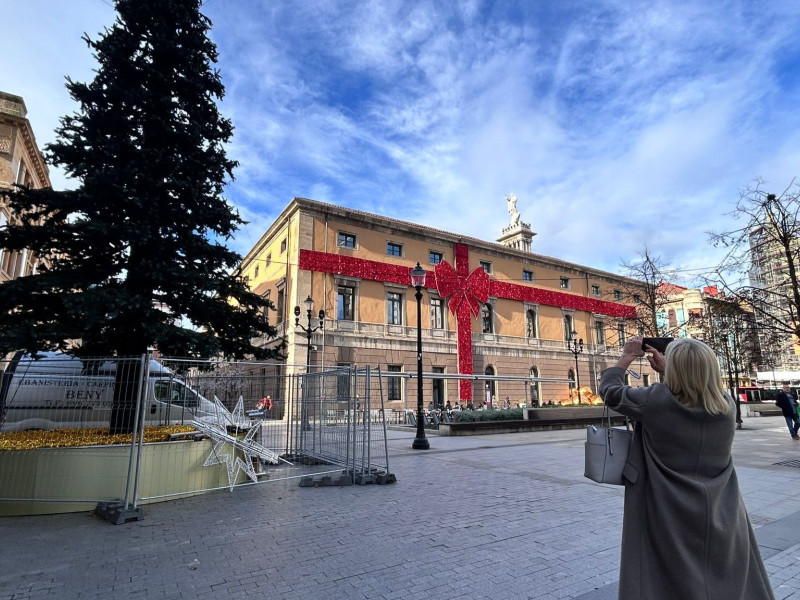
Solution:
(659, 344)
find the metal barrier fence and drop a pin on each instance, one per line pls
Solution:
(342, 421)
(328, 424)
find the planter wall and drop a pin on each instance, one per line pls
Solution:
(58, 480)
(535, 419)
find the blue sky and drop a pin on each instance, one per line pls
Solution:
(617, 123)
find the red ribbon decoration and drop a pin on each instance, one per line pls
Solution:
(467, 291)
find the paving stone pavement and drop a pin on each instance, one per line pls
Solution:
(500, 517)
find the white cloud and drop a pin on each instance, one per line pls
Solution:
(616, 123)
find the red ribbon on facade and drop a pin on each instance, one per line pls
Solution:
(467, 292)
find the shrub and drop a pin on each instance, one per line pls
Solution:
(466, 416)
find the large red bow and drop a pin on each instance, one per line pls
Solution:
(468, 292)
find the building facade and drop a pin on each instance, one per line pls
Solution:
(488, 309)
(21, 163)
(682, 311)
(769, 270)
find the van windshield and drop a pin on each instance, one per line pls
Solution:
(175, 392)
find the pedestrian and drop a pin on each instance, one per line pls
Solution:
(788, 405)
(685, 530)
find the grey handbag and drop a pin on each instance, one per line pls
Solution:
(606, 451)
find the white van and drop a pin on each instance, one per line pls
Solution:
(56, 390)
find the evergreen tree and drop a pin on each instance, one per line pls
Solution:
(137, 250)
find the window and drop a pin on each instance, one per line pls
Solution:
(617, 295)
(8, 264)
(255, 273)
(672, 317)
(486, 319)
(568, 327)
(437, 313)
(393, 249)
(599, 333)
(393, 392)
(531, 324)
(571, 377)
(491, 386)
(637, 298)
(175, 393)
(345, 296)
(269, 259)
(279, 307)
(627, 378)
(347, 240)
(435, 257)
(283, 245)
(265, 310)
(527, 275)
(486, 266)
(564, 283)
(595, 290)
(343, 381)
(535, 387)
(646, 379)
(394, 311)
(621, 334)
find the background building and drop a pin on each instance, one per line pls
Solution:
(769, 276)
(21, 163)
(487, 308)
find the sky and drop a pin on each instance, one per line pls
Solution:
(618, 124)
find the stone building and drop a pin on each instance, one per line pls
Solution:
(488, 308)
(21, 163)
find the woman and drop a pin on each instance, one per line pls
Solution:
(685, 531)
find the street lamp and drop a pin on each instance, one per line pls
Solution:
(575, 346)
(309, 331)
(309, 304)
(418, 280)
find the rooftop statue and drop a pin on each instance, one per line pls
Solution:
(511, 199)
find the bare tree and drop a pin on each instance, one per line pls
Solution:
(728, 325)
(651, 292)
(761, 264)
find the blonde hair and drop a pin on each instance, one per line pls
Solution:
(692, 374)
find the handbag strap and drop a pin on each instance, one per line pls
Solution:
(606, 418)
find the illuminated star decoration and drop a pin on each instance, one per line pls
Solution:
(225, 418)
(217, 430)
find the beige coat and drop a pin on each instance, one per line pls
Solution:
(685, 530)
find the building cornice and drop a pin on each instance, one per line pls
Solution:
(407, 228)
(35, 157)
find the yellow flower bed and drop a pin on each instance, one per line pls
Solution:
(66, 438)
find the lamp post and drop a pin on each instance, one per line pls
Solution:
(309, 331)
(309, 304)
(575, 346)
(418, 280)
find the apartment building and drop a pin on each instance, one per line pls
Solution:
(488, 308)
(21, 163)
(769, 275)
